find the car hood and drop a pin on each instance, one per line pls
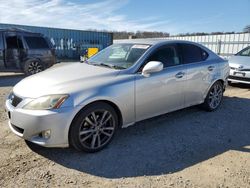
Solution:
(238, 61)
(64, 79)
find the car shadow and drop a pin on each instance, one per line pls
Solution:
(9, 80)
(240, 85)
(165, 144)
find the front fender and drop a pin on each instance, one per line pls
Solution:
(121, 94)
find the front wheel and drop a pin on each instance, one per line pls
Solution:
(93, 128)
(214, 97)
(33, 67)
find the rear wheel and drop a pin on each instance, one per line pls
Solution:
(93, 128)
(214, 97)
(33, 67)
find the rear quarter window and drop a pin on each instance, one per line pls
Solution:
(192, 53)
(36, 43)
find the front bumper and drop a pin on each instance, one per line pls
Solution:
(239, 76)
(31, 124)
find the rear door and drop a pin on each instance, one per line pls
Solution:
(2, 66)
(39, 47)
(199, 72)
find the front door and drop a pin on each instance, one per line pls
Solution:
(14, 46)
(161, 92)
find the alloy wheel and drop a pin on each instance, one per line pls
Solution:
(35, 67)
(96, 129)
(215, 96)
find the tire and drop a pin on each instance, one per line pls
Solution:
(93, 128)
(214, 97)
(33, 66)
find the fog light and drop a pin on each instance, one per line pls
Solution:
(46, 134)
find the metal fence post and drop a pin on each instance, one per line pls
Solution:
(219, 47)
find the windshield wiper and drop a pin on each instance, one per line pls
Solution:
(108, 65)
(117, 67)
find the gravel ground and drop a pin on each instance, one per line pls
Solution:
(188, 148)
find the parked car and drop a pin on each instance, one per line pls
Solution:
(240, 67)
(23, 51)
(83, 104)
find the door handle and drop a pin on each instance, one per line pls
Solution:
(179, 74)
(210, 68)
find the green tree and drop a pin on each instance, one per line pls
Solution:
(247, 29)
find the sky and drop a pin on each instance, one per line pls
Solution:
(172, 16)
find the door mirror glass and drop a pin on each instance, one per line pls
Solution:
(151, 67)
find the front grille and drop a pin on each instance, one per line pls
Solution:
(239, 78)
(15, 100)
(233, 68)
(17, 129)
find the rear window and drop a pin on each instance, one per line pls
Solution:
(192, 53)
(36, 42)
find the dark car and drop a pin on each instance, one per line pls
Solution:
(24, 51)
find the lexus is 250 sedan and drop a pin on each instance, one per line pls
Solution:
(83, 104)
(240, 67)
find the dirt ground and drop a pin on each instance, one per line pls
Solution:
(188, 148)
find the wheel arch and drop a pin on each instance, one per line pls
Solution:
(221, 81)
(29, 59)
(112, 104)
(217, 80)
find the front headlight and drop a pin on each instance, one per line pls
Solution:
(11, 95)
(46, 102)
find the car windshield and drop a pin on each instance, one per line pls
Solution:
(119, 56)
(244, 52)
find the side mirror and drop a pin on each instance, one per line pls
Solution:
(151, 67)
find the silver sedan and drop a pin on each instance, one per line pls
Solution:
(83, 104)
(240, 67)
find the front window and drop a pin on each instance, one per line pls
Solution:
(14, 42)
(119, 56)
(167, 55)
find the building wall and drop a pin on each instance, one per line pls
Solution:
(69, 44)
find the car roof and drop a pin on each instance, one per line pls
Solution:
(161, 41)
(18, 30)
(152, 41)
